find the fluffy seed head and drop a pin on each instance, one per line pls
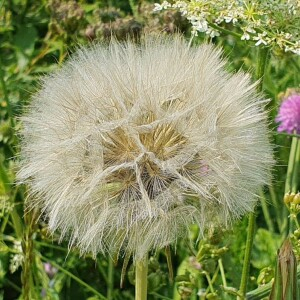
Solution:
(289, 114)
(126, 146)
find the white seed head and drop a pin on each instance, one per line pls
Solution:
(128, 145)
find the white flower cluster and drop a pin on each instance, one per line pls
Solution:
(5, 205)
(269, 23)
(17, 258)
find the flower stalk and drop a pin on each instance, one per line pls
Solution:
(141, 272)
(110, 279)
(28, 290)
(247, 257)
(262, 56)
(293, 166)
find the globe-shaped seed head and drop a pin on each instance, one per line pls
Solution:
(127, 145)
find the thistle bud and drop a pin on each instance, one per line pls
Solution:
(285, 284)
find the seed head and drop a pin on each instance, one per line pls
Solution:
(126, 146)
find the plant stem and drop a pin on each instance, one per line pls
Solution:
(289, 184)
(160, 296)
(210, 286)
(134, 7)
(13, 285)
(246, 264)
(264, 206)
(28, 285)
(141, 272)
(59, 267)
(110, 279)
(288, 134)
(229, 32)
(222, 272)
(262, 55)
(294, 179)
(276, 204)
(262, 58)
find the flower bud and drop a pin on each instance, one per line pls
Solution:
(296, 199)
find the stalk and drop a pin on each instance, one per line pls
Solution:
(293, 165)
(264, 206)
(28, 284)
(291, 182)
(294, 183)
(110, 277)
(141, 272)
(71, 275)
(134, 7)
(222, 272)
(262, 56)
(247, 257)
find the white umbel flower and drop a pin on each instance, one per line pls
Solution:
(126, 146)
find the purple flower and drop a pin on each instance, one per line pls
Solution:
(289, 115)
(50, 270)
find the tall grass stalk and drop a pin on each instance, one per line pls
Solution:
(262, 56)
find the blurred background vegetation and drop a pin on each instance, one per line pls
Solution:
(35, 38)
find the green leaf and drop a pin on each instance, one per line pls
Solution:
(265, 248)
(24, 42)
(25, 39)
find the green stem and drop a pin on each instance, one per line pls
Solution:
(246, 264)
(280, 222)
(265, 210)
(169, 263)
(289, 183)
(17, 221)
(288, 134)
(222, 272)
(262, 56)
(294, 180)
(88, 287)
(210, 286)
(160, 296)
(134, 8)
(110, 277)
(141, 272)
(102, 271)
(13, 285)
(28, 282)
(221, 29)
(43, 244)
